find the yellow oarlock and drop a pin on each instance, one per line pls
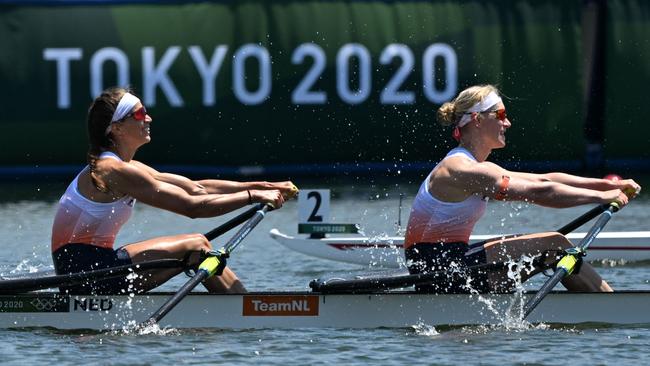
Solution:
(568, 262)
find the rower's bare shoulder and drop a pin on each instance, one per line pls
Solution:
(121, 172)
(458, 165)
(141, 165)
(474, 168)
(473, 176)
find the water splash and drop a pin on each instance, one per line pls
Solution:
(425, 330)
(135, 329)
(25, 266)
(380, 255)
(509, 316)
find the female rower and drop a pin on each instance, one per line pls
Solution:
(100, 200)
(453, 198)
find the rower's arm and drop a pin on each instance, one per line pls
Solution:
(287, 188)
(580, 182)
(188, 185)
(131, 180)
(217, 186)
(487, 179)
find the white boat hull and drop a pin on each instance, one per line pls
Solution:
(309, 310)
(630, 246)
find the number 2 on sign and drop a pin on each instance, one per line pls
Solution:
(314, 217)
(314, 205)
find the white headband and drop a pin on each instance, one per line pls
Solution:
(123, 108)
(480, 107)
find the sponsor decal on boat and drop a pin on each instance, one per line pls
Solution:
(280, 305)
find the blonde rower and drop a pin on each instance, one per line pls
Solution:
(453, 198)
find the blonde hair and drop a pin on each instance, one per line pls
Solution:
(451, 112)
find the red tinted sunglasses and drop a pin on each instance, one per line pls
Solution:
(501, 114)
(139, 114)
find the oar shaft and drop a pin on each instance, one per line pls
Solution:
(583, 219)
(597, 228)
(232, 223)
(246, 228)
(548, 286)
(178, 296)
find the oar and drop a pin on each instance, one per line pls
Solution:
(33, 284)
(386, 283)
(213, 265)
(235, 221)
(568, 263)
(583, 219)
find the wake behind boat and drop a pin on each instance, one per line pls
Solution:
(256, 310)
(387, 251)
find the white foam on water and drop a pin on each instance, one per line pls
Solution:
(132, 328)
(25, 266)
(424, 329)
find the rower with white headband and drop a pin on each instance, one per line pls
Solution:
(100, 200)
(454, 196)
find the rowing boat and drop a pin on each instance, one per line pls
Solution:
(313, 310)
(339, 303)
(629, 246)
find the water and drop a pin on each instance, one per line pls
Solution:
(27, 211)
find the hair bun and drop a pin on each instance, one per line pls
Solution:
(446, 114)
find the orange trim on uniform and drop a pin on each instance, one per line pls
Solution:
(503, 188)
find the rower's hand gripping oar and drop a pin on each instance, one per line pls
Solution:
(571, 260)
(213, 265)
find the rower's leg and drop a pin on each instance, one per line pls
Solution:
(178, 247)
(533, 245)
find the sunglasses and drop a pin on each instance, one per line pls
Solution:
(139, 114)
(500, 113)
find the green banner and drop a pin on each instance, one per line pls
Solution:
(287, 82)
(628, 73)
